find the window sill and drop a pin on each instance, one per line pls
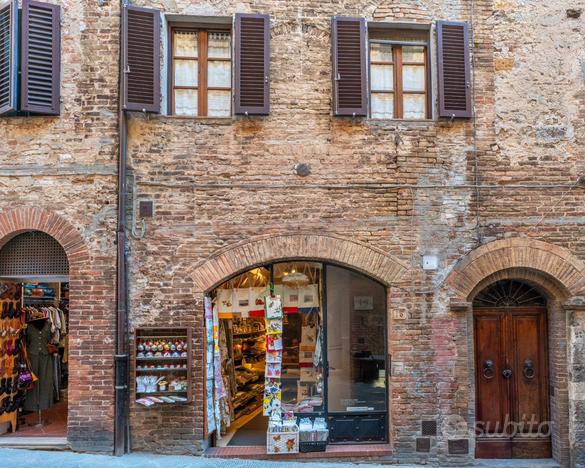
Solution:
(199, 120)
(407, 122)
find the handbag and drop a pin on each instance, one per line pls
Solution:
(26, 377)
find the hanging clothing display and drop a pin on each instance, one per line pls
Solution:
(210, 373)
(38, 337)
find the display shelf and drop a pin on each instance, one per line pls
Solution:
(166, 392)
(165, 339)
(155, 337)
(162, 358)
(161, 369)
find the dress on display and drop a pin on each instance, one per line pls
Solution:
(42, 396)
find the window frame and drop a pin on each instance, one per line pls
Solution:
(202, 67)
(397, 66)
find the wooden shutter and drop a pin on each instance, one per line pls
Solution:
(252, 64)
(348, 43)
(454, 69)
(8, 57)
(141, 59)
(40, 58)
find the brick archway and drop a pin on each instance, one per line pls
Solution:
(16, 221)
(91, 345)
(541, 261)
(248, 254)
(560, 276)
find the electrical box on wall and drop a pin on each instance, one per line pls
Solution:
(430, 262)
(146, 208)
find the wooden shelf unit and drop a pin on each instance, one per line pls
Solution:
(143, 334)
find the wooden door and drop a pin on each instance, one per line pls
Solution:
(512, 403)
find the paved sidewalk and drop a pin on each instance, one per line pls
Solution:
(44, 459)
(18, 458)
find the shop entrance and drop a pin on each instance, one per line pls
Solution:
(326, 367)
(511, 352)
(34, 317)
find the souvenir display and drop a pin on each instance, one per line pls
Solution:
(273, 307)
(274, 326)
(274, 343)
(291, 296)
(283, 435)
(257, 300)
(313, 435)
(172, 347)
(261, 354)
(242, 301)
(273, 369)
(210, 369)
(225, 301)
(309, 296)
(162, 365)
(274, 356)
(272, 395)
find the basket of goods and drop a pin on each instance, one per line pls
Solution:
(313, 435)
(283, 435)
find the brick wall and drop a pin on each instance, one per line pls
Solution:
(174, 158)
(64, 168)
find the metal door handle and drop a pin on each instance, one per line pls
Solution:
(488, 369)
(528, 369)
(507, 373)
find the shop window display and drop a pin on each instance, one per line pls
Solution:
(272, 358)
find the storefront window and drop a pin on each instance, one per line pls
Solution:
(356, 342)
(262, 370)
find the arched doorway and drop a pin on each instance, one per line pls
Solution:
(512, 377)
(330, 364)
(34, 300)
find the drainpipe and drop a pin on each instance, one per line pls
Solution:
(121, 358)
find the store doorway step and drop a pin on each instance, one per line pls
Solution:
(247, 431)
(35, 443)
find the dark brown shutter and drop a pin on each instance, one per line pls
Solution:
(454, 69)
(141, 58)
(252, 64)
(8, 57)
(348, 43)
(40, 58)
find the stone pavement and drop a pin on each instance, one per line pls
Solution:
(44, 459)
(18, 458)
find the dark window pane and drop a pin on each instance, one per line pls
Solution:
(356, 342)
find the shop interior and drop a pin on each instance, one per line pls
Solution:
(34, 322)
(243, 346)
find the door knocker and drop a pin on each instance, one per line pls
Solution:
(488, 369)
(528, 369)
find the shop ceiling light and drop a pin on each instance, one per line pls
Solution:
(295, 278)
